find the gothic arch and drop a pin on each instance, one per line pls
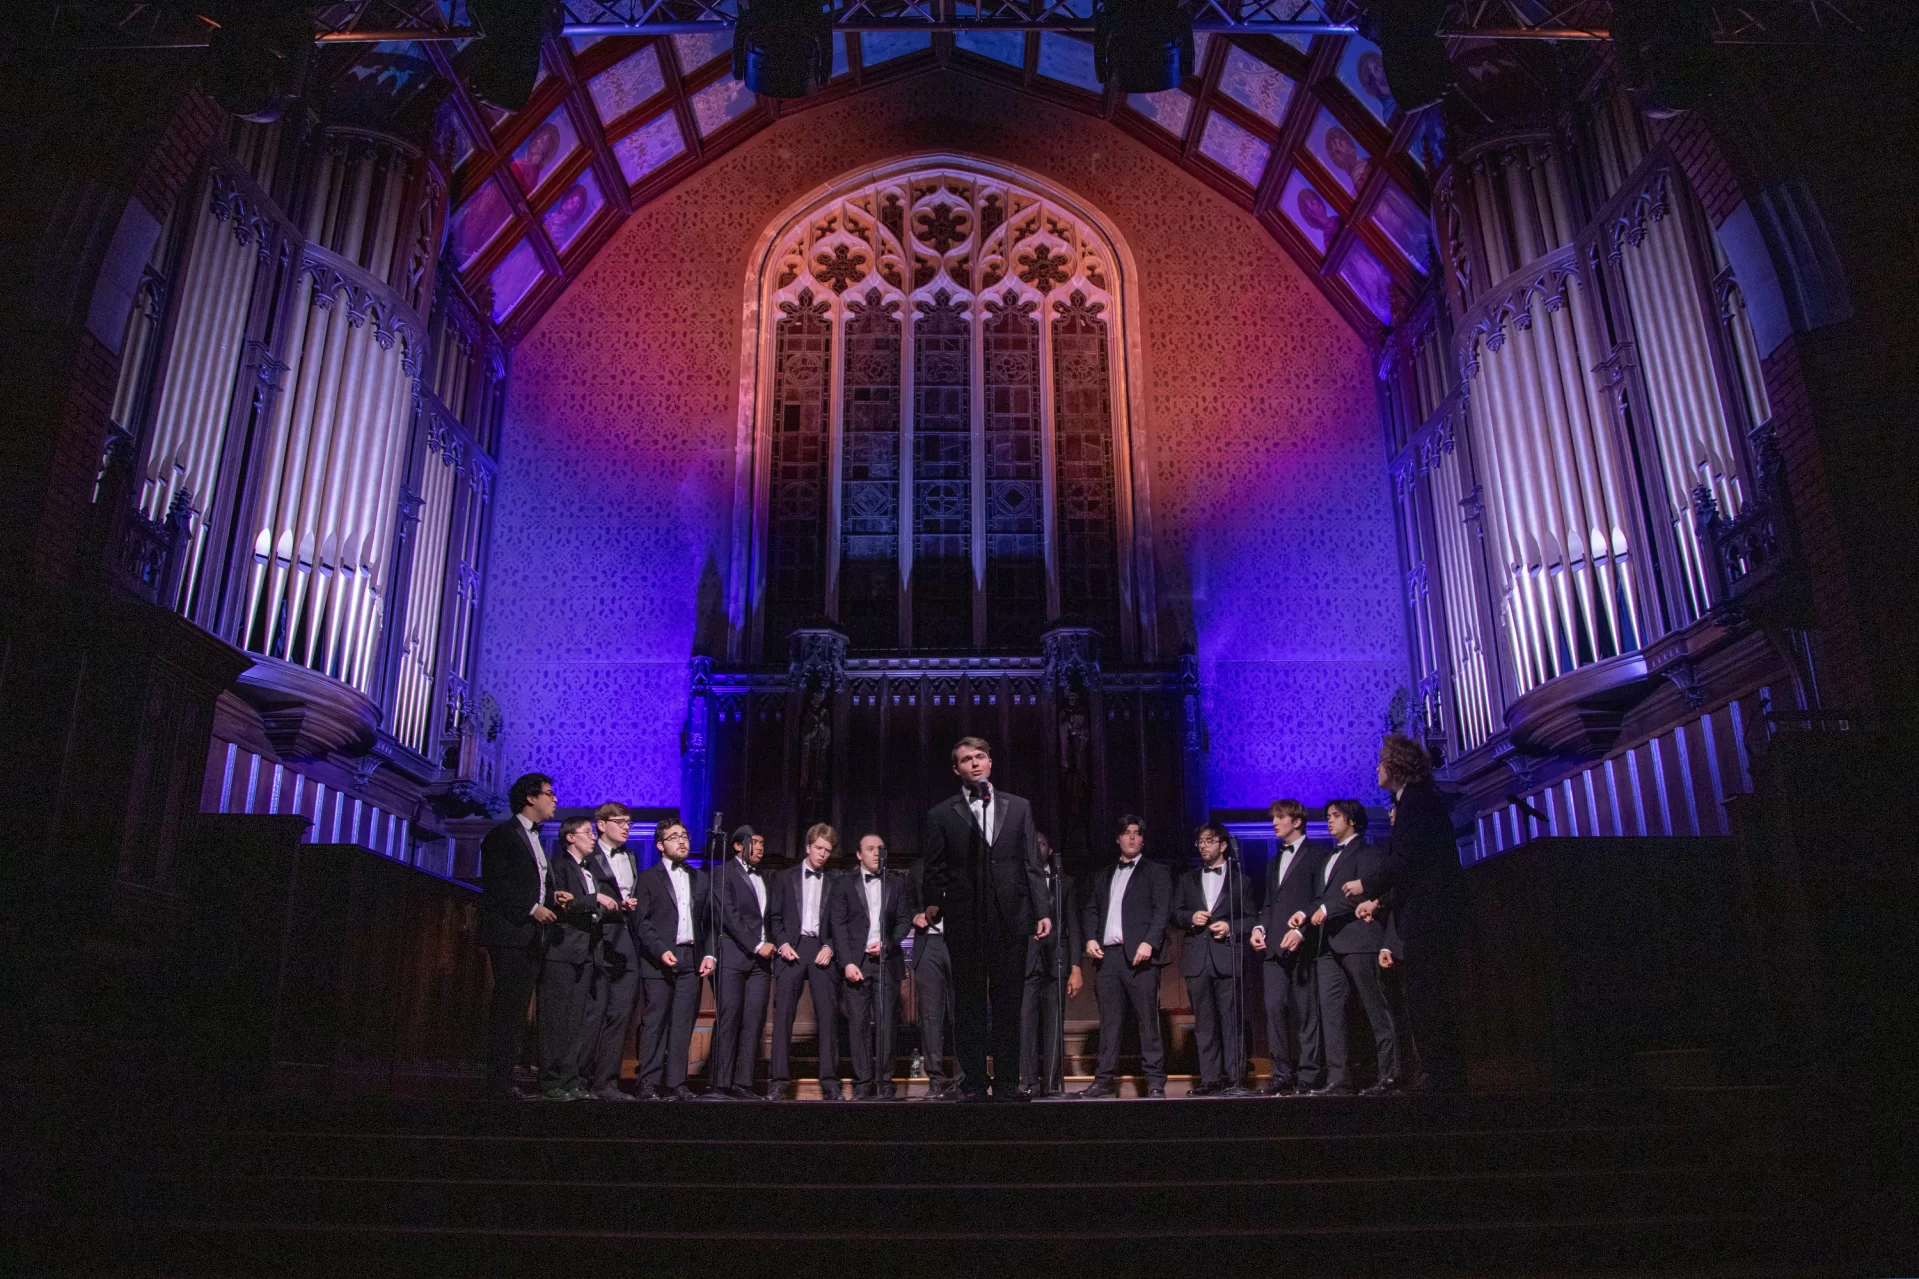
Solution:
(917, 241)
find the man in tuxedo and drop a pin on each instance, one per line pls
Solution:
(932, 968)
(1431, 907)
(616, 870)
(869, 922)
(512, 924)
(670, 922)
(1125, 914)
(1289, 943)
(982, 881)
(1211, 909)
(572, 999)
(1039, 1012)
(746, 970)
(800, 923)
(1349, 950)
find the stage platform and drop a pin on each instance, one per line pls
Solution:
(1673, 1181)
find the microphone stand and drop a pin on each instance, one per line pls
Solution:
(1056, 1076)
(1234, 906)
(716, 848)
(880, 1009)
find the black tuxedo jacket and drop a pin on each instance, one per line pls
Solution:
(574, 938)
(1143, 911)
(851, 921)
(510, 887)
(656, 921)
(916, 900)
(1345, 933)
(786, 906)
(617, 934)
(1190, 897)
(740, 920)
(1429, 895)
(983, 892)
(1066, 928)
(1299, 891)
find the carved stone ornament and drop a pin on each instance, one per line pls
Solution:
(817, 657)
(1072, 657)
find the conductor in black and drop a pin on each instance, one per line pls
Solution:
(982, 878)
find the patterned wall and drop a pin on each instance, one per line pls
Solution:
(1274, 544)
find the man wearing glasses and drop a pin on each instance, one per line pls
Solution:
(512, 924)
(616, 875)
(669, 922)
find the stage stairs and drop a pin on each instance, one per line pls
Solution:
(1679, 1181)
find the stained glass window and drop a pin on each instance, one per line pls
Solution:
(870, 498)
(1015, 558)
(942, 474)
(796, 518)
(1087, 530)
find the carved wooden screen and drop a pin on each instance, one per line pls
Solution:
(952, 475)
(1015, 557)
(870, 497)
(1087, 535)
(796, 527)
(942, 474)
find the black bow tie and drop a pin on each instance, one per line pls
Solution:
(870, 877)
(814, 874)
(1215, 870)
(983, 792)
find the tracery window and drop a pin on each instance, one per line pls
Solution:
(940, 420)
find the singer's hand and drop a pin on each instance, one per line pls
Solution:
(1385, 959)
(1200, 917)
(1319, 916)
(669, 960)
(1292, 940)
(1354, 888)
(541, 915)
(1298, 919)
(1258, 938)
(1220, 928)
(919, 920)
(607, 903)
(1044, 930)
(825, 958)
(562, 898)
(872, 948)
(707, 966)
(764, 950)
(1144, 955)
(628, 905)
(1074, 981)
(853, 973)
(790, 955)
(1366, 910)
(1093, 950)
(932, 915)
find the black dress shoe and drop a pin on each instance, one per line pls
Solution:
(1097, 1090)
(1384, 1088)
(609, 1094)
(643, 1093)
(1236, 1090)
(774, 1092)
(829, 1092)
(1011, 1095)
(862, 1093)
(1157, 1091)
(1281, 1089)
(740, 1092)
(679, 1092)
(1203, 1090)
(1331, 1090)
(974, 1095)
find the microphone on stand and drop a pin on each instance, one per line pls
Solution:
(716, 885)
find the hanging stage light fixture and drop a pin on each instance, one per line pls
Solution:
(1665, 52)
(1411, 49)
(503, 68)
(1142, 46)
(783, 48)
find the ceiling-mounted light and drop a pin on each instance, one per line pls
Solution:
(1413, 53)
(1665, 53)
(257, 57)
(503, 68)
(783, 48)
(1142, 46)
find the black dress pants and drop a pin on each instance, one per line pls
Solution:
(672, 1005)
(988, 973)
(872, 1004)
(1039, 1018)
(1292, 1010)
(789, 979)
(1429, 978)
(739, 1023)
(1357, 971)
(1122, 986)
(516, 971)
(1218, 1030)
(622, 978)
(572, 1001)
(933, 997)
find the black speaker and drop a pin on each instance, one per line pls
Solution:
(1142, 46)
(783, 48)
(503, 68)
(1418, 72)
(257, 58)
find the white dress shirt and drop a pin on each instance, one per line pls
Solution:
(1210, 881)
(869, 880)
(682, 881)
(1327, 875)
(622, 870)
(1286, 856)
(812, 886)
(1115, 932)
(532, 833)
(759, 891)
(986, 816)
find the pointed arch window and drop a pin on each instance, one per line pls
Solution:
(940, 421)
